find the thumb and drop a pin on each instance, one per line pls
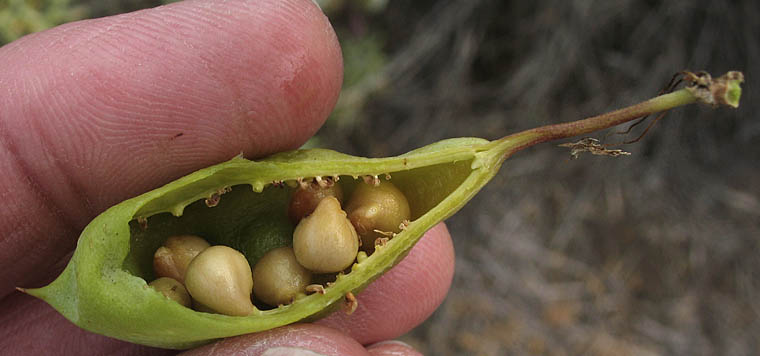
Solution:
(97, 111)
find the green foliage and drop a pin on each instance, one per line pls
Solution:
(21, 17)
(364, 56)
(331, 7)
(363, 64)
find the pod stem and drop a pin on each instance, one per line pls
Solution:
(724, 90)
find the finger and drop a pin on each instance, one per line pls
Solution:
(105, 109)
(392, 348)
(403, 297)
(28, 326)
(297, 339)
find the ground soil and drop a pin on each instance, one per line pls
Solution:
(656, 253)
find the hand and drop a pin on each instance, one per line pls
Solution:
(94, 112)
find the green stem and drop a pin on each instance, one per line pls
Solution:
(516, 142)
(724, 90)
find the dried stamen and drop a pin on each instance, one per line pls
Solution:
(385, 233)
(213, 200)
(592, 146)
(381, 241)
(302, 183)
(315, 288)
(143, 221)
(372, 180)
(350, 303)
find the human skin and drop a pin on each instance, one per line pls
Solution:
(97, 111)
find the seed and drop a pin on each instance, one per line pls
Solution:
(220, 278)
(172, 259)
(197, 306)
(380, 207)
(172, 289)
(279, 277)
(325, 241)
(306, 198)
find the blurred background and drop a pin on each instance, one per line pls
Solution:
(657, 253)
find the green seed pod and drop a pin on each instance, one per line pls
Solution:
(172, 289)
(279, 277)
(103, 289)
(437, 180)
(374, 208)
(325, 241)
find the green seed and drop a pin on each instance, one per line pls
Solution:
(264, 233)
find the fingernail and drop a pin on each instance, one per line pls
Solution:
(289, 351)
(392, 342)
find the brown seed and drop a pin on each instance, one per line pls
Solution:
(306, 198)
(172, 289)
(325, 241)
(220, 279)
(172, 259)
(279, 277)
(381, 207)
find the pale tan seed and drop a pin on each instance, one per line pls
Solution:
(325, 241)
(172, 289)
(220, 279)
(171, 259)
(377, 211)
(279, 277)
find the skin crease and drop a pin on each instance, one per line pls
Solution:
(97, 111)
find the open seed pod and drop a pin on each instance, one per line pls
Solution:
(437, 180)
(103, 289)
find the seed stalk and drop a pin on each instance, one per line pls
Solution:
(721, 91)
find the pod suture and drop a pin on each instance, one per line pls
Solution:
(244, 204)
